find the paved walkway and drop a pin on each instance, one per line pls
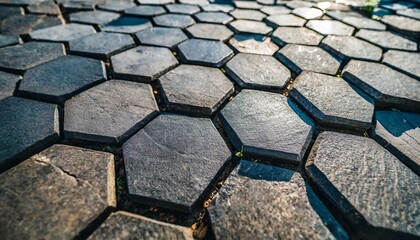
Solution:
(209, 119)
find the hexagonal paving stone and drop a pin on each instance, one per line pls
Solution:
(145, 11)
(248, 14)
(210, 31)
(7, 40)
(62, 33)
(195, 90)
(387, 40)
(332, 102)
(62, 78)
(275, 10)
(195, 2)
(205, 52)
(308, 13)
(215, 7)
(157, 2)
(307, 58)
(299, 35)
(247, 26)
(253, 43)
(346, 48)
(333, 27)
(283, 131)
(340, 15)
(365, 23)
(213, 17)
(27, 126)
(247, 5)
(174, 20)
(56, 193)
(23, 24)
(28, 55)
(388, 87)
(121, 224)
(7, 84)
(258, 71)
(330, 6)
(117, 6)
(127, 25)
(404, 24)
(369, 187)
(272, 203)
(182, 8)
(93, 17)
(189, 152)
(412, 13)
(76, 6)
(47, 7)
(299, 4)
(163, 37)
(285, 20)
(406, 62)
(143, 63)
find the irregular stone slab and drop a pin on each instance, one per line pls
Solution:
(404, 24)
(189, 152)
(365, 23)
(389, 88)
(331, 6)
(412, 13)
(346, 48)
(247, 26)
(406, 62)
(46, 7)
(174, 20)
(275, 10)
(27, 126)
(340, 15)
(283, 131)
(213, 17)
(23, 24)
(205, 52)
(127, 25)
(6, 11)
(156, 2)
(299, 4)
(28, 55)
(62, 33)
(101, 45)
(93, 17)
(248, 14)
(143, 63)
(307, 58)
(253, 43)
(332, 102)
(258, 72)
(327, 27)
(145, 11)
(7, 84)
(162, 37)
(56, 193)
(247, 5)
(285, 20)
(308, 13)
(110, 112)
(18, 2)
(122, 224)
(73, 75)
(75, 6)
(371, 186)
(117, 6)
(210, 31)
(215, 7)
(7, 40)
(387, 40)
(262, 201)
(195, 90)
(182, 8)
(296, 35)
(401, 5)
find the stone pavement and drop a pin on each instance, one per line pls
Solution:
(209, 119)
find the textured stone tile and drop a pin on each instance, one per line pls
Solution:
(388, 87)
(285, 20)
(121, 225)
(187, 152)
(7, 40)
(327, 27)
(215, 7)
(400, 5)
(370, 180)
(308, 13)
(174, 20)
(299, 4)
(6, 11)
(266, 202)
(156, 2)
(283, 131)
(183, 8)
(7, 84)
(307, 58)
(73, 74)
(387, 40)
(213, 17)
(247, 26)
(247, 5)
(27, 126)
(23, 24)
(143, 63)
(331, 6)
(248, 14)
(404, 24)
(205, 52)
(340, 15)
(406, 62)
(412, 13)
(56, 193)
(163, 37)
(258, 72)
(117, 6)
(127, 25)
(46, 7)
(275, 10)
(76, 6)
(63, 33)
(380, 12)
(253, 43)
(93, 17)
(195, 2)
(210, 31)
(145, 11)
(296, 35)
(364, 23)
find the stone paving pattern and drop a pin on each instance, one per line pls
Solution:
(209, 119)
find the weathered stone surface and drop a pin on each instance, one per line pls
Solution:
(6, 11)
(18, 2)
(285, 20)
(258, 71)
(213, 17)
(253, 43)
(283, 131)
(412, 13)
(7, 40)
(296, 35)
(188, 153)
(404, 24)
(122, 225)
(182, 8)
(156, 2)
(406, 62)
(145, 11)
(332, 102)
(340, 15)
(7, 84)
(215, 7)
(195, 2)
(174, 20)
(23, 24)
(247, 5)
(275, 10)
(248, 14)
(27, 126)
(76, 6)
(388, 87)
(63, 33)
(28, 55)
(162, 37)
(400, 5)
(205, 52)
(299, 4)
(327, 27)
(308, 13)
(307, 58)
(365, 23)
(45, 7)
(210, 31)
(370, 180)
(387, 40)
(247, 26)
(117, 6)
(56, 193)
(194, 89)
(93, 17)
(331, 6)
(143, 63)
(101, 45)
(346, 48)
(266, 202)
(127, 25)
(62, 78)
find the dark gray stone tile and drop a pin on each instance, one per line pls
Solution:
(174, 20)
(213, 17)
(406, 62)
(76, 6)
(296, 35)
(215, 7)
(117, 6)
(93, 17)
(248, 14)
(7, 84)
(248, 26)
(63, 33)
(23, 24)
(412, 13)
(364, 23)
(204, 52)
(56, 193)
(253, 43)
(7, 40)
(405, 25)
(327, 27)
(210, 31)
(388, 87)
(285, 20)
(6, 11)
(143, 63)
(247, 5)
(275, 10)
(182, 8)
(308, 12)
(127, 25)
(145, 11)
(195, 90)
(188, 153)
(159, 36)
(387, 40)
(18, 2)
(46, 7)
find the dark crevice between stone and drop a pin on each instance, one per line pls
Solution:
(93, 225)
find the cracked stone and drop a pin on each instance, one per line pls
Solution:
(47, 7)
(117, 6)
(248, 14)
(289, 20)
(210, 31)
(7, 84)
(174, 20)
(404, 24)
(275, 10)
(406, 62)
(127, 25)
(213, 17)
(205, 52)
(387, 40)
(93, 17)
(217, 8)
(189, 152)
(23, 24)
(7, 40)
(296, 35)
(182, 8)
(308, 13)
(364, 23)
(327, 27)
(162, 37)
(247, 26)
(253, 43)
(145, 11)
(62, 33)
